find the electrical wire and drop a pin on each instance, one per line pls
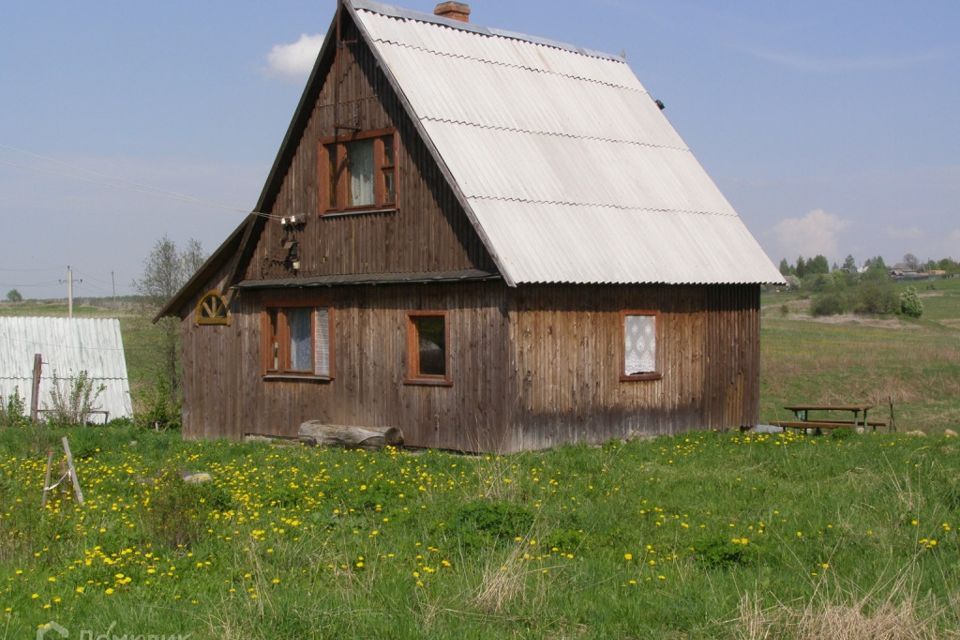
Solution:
(33, 269)
(97, 178)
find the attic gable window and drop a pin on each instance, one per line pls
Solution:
(358, 172)
(639, 346)
(297, 342)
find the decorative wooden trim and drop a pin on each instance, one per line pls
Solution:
(209, 308)
(647, 375)
(293, 377)
(357, 135)
(414, 377)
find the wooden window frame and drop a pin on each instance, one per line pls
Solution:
(340, 190)
(414, 377)
(280, 304)
(657, 374)
(203, 307)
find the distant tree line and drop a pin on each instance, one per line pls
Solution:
(866, 289)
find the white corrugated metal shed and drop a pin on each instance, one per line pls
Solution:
(68, 346)
(566, 164)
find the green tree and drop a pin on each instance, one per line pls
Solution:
(801, 268)
(165, 270)
(849, 264)
(818, 264)
(14, 296)
(785, 269)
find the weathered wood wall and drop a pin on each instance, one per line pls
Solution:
(531, 367)
(226, 394)
(566, 346)
(429, 231)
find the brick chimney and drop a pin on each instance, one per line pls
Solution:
(453, 11)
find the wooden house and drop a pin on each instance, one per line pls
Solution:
(489, 240)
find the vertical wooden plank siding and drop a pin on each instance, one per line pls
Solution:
(428, 231)
(531, 367)
(226, 394)
(567, 344)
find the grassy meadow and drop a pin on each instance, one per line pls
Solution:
(847, 359)
(708, 535)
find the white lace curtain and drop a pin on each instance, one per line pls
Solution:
(360, 157)
(640, 345)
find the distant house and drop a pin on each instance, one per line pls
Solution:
(67, 346)
(489, 240)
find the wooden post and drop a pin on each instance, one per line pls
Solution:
(893, 424)
(72, 470)
(46, 478)
(35, 398)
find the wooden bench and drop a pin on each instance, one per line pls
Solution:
(825, 424)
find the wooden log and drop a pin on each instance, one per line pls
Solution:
(314, 432)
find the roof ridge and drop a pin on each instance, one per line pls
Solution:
(601, 205)
(558, 134)
(510, 66)
(408, 14)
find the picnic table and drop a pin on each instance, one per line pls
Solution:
(803, 420)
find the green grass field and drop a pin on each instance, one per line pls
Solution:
(708, 535)
(846, 359)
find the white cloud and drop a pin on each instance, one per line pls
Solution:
(294, 60)
(815, 233)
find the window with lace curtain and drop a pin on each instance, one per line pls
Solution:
(297, 341)
(639, 346)
(358, 172)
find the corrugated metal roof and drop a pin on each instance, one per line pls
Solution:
(68, 346)
(569, 168)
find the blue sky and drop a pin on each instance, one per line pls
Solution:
(832, 127)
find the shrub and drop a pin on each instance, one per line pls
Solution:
(12, 411)
(162, 407)
(73, 400)
(876, 296)
(910, 303)
(829, 304)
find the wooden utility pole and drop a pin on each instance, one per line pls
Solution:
(113, 282)
(69, 292)
(35, 397)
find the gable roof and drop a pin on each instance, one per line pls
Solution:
(562, 161)
(68, 346)
(568, 167)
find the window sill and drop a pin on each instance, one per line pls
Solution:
(342, 213)
(653, 375)
(295, 377)
(428, 382)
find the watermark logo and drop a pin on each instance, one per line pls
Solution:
(52, 631)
